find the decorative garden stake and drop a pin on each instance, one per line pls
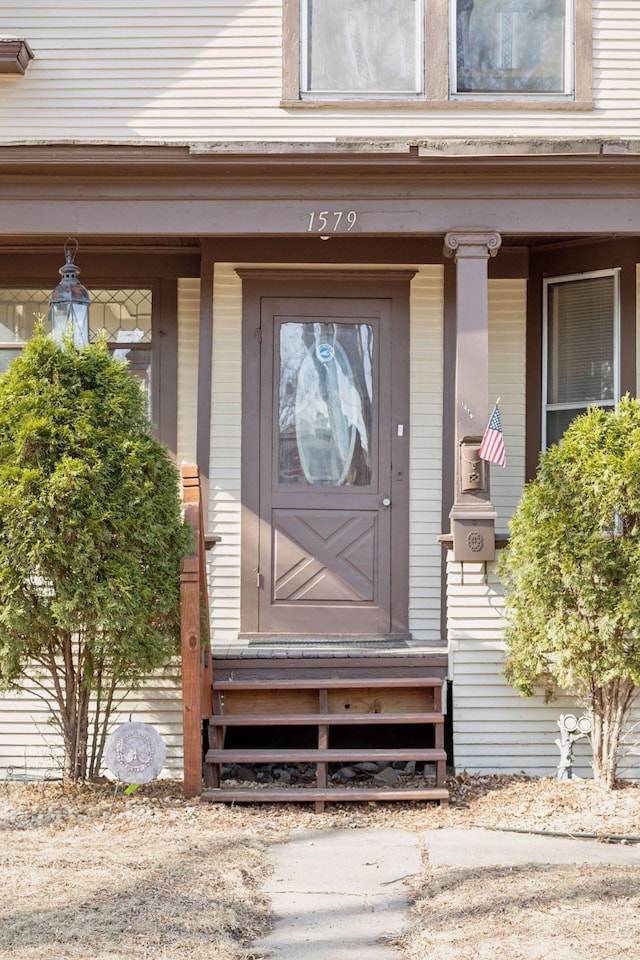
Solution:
(571, 729)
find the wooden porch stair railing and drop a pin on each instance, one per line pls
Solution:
(197, 675)
(283, 698)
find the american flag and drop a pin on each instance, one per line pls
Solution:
(492, 446)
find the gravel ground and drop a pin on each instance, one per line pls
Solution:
(94, 874)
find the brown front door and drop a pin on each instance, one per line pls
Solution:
(326, 502)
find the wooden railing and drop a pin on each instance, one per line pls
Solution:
(197, 675)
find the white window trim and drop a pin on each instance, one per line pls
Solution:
(550, 281)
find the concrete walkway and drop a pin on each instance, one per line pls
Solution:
(335, 893)
(339, 894)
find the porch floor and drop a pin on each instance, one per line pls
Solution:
(331, 648)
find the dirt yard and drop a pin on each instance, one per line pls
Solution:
(90, 875)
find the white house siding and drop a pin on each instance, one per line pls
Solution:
(425, 471)
(224, 472)
(495, 729)
(188, 330)
(31, 748)
(507, 344)
(426, 452)
(213, 71)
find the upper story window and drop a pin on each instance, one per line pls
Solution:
(362, 48)
(444, 53)
(507, 46)
(581, 354)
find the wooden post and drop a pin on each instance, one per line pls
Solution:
(191, 679)
(197, 672)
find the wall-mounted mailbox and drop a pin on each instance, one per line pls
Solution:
(472, 472)
(473, 539)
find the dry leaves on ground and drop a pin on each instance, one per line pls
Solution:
(88, 873)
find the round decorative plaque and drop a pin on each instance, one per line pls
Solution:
(475, 541)
(135, 753)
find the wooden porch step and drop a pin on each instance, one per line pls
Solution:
(322, 794)
(324, 701)
(313, 719)
(330, 756)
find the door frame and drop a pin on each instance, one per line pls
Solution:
(393, 285)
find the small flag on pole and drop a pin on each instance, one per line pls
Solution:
(492, 446)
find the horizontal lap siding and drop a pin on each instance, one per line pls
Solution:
(224, 482)
(507, 341)
(425, 552)
(31, 748)
(213, 71)
(495, 729)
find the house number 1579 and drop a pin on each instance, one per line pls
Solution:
(330, 221)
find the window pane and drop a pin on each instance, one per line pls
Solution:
(558, 421)
(325, 406)
(19, 312)
(6, 356)
(363, 46)
(510, 46)
(581, 334)
(124, 314)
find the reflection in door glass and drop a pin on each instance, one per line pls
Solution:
(326, 397)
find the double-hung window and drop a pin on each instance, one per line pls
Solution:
(581, 354)
(437, 52)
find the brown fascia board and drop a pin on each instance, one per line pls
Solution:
(450, 160)
(15, 55)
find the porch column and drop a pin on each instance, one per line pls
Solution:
(472, 516)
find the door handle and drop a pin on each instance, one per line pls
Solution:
(386, 502)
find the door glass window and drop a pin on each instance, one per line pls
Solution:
(325, 403)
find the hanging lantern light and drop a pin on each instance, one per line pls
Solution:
(69, 302)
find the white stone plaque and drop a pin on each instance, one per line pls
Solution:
(135, 753)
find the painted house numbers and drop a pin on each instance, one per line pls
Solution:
(331, 221)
